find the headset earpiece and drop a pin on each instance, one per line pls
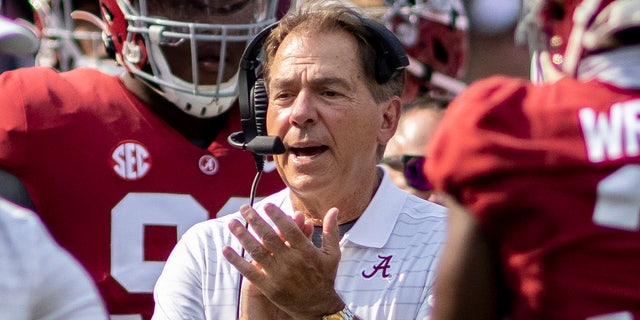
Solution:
(253, 101)
(390, 54)
(260, 102)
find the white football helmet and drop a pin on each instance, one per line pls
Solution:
(189, 50)
(571, 29)
(68, 43)
(434, 34)
(17, 37)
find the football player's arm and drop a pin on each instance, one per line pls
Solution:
(466, 283)
(12, 189)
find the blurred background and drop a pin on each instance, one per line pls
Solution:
(15, 9)
(491, 41)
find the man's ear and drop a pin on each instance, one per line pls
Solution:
(390, 117)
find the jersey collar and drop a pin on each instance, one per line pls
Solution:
(375, 225)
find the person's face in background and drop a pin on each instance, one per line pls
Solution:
(414, 132)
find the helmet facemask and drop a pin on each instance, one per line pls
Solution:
(70, 37)
(190, 50)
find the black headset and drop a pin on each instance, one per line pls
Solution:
(390, 58)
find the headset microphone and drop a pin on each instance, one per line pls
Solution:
(260, 145)
(266, 145)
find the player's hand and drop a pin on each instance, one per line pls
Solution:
(287, 268)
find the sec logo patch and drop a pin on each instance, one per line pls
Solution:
(130, 160)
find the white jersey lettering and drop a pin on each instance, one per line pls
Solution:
(612, 135)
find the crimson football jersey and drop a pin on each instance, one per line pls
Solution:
(552, 173)
(114, 183)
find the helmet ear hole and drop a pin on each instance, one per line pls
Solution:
(628, 36)
(109, 47)
(440, 52)
(556, 10)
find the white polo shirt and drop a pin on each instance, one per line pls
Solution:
(38, 279)
(386, 270)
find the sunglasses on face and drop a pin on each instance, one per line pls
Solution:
(411, 167)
